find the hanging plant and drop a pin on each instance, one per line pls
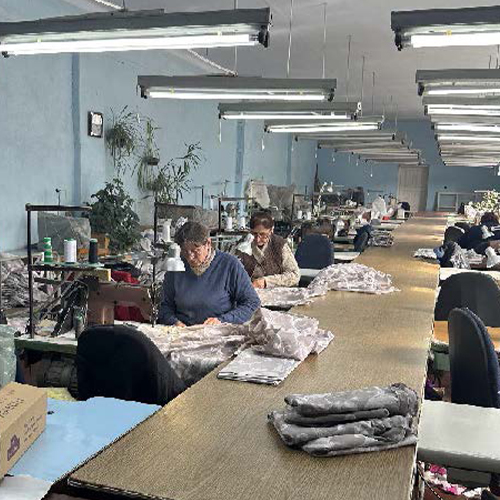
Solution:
(171, 181)
(123, 139)
(150, 157)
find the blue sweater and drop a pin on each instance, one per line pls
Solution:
(224, 291)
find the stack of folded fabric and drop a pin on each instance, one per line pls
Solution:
(359, 421)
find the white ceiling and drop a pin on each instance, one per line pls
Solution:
(368, 21)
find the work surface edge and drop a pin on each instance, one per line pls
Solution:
(213, 441)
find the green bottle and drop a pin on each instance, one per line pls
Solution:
(47, 249)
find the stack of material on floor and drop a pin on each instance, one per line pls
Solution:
(381, 238)
(280, 342)
(340, 277)
(359, 421)
(15, 284)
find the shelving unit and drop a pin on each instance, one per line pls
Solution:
(46, 267)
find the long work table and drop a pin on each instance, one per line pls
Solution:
(213, 441)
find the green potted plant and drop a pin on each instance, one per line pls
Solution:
(150, 157)
(123, 138)
(113, 215)
(171, 181)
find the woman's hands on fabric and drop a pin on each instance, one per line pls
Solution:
(212, 321)
(260, 283)
(180, 324)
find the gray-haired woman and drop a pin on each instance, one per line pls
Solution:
(214, 288)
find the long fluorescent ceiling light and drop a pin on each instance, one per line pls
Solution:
(236, 88)
(363, 124)
(289, 111)
(476, 26)
(446, 106)
(458, 138)
(466, 127)
(136, 30)
(458, 82)
(461, 119)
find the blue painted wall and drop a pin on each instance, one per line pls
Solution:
(384, 177)
(44, 101)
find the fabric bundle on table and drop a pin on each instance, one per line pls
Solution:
(425, 253)
(359, 421)
(350, 277)
(381, 239)
(279, 341)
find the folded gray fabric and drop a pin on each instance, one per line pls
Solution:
(392, 429)
(350, 444)
(293, 417)
(398, 399)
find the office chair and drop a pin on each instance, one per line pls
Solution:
(474, 367)
(315, 251)
(453, 234)
(361, 241)
(118, 361)
(476, 291)
(463, 225)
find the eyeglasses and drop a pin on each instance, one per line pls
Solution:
(261, 235)
(195, 250)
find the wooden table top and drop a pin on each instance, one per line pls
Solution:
(441, 333)
(213, 441)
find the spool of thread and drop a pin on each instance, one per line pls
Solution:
(70, 251)
(211, 203)
(299, 214)
(308, 215)
(165, 233)
(229, 223)
(243, 222)
(47, 249)
(93, 251)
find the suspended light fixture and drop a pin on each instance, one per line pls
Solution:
(464, 138)
(289, 111)
(459, 82)
(136, 30)
(315, 127)
(446, 106)
(478, 26)
(466, 127)
(236, 88)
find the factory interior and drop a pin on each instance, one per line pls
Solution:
(249, 249)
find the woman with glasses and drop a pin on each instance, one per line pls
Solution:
(272, 263)
(213, 289)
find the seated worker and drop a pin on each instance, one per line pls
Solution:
(476, 236)
(272, 262)
(213, 289)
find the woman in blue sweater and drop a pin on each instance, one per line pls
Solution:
(214, 289)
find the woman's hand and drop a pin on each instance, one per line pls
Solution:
(212, 321)
(260, 283)
(180, 324)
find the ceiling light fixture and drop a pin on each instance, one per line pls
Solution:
(136, 30)
(458, 82)
(315, 127)
(466, 127)
(289, 111)
(236, 88)
(467, 138)
(478, 26)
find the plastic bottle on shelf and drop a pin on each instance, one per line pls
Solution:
(48, 256)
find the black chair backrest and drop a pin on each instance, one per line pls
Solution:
(463, 225)
(453, 234)
(315, 251)
(474, 367)
(361, 241)
(476, 291)
(121, 362)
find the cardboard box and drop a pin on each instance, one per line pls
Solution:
(23, 413)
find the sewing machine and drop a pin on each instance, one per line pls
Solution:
(103, 297)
